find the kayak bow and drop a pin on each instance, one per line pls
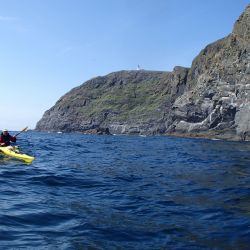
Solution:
(14, 153)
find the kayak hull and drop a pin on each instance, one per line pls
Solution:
(13, 153)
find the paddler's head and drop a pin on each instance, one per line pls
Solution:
(5, 131)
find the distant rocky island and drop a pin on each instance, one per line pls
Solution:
(211, 99)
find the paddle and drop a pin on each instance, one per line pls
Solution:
(24, 129)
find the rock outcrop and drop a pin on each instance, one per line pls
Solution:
(217, 100)
(130, 102)
(211, 99)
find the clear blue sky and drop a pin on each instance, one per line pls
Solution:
(47, 47)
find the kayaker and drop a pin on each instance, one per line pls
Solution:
(6, 138)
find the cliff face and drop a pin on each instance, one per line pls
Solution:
(212, 98)
(218, 87)
(122, 102)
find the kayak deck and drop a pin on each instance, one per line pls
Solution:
(14, 153)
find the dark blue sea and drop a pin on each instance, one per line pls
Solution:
(125, 192)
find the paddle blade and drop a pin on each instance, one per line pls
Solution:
(24, 129)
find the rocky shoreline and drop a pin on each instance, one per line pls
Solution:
(211, 99)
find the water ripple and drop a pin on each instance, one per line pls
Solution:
(126, 192)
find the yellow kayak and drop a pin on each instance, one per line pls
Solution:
(14, 152)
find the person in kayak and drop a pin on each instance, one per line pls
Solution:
(6, 138)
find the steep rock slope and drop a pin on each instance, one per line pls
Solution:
(218, 95)
(212, 98)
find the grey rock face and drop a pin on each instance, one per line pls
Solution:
(218, 87)
(210, 99)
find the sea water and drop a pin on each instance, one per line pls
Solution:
(125, 192)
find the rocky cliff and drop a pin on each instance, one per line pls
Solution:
(218, 87)
(122, 102)
(210, 99)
